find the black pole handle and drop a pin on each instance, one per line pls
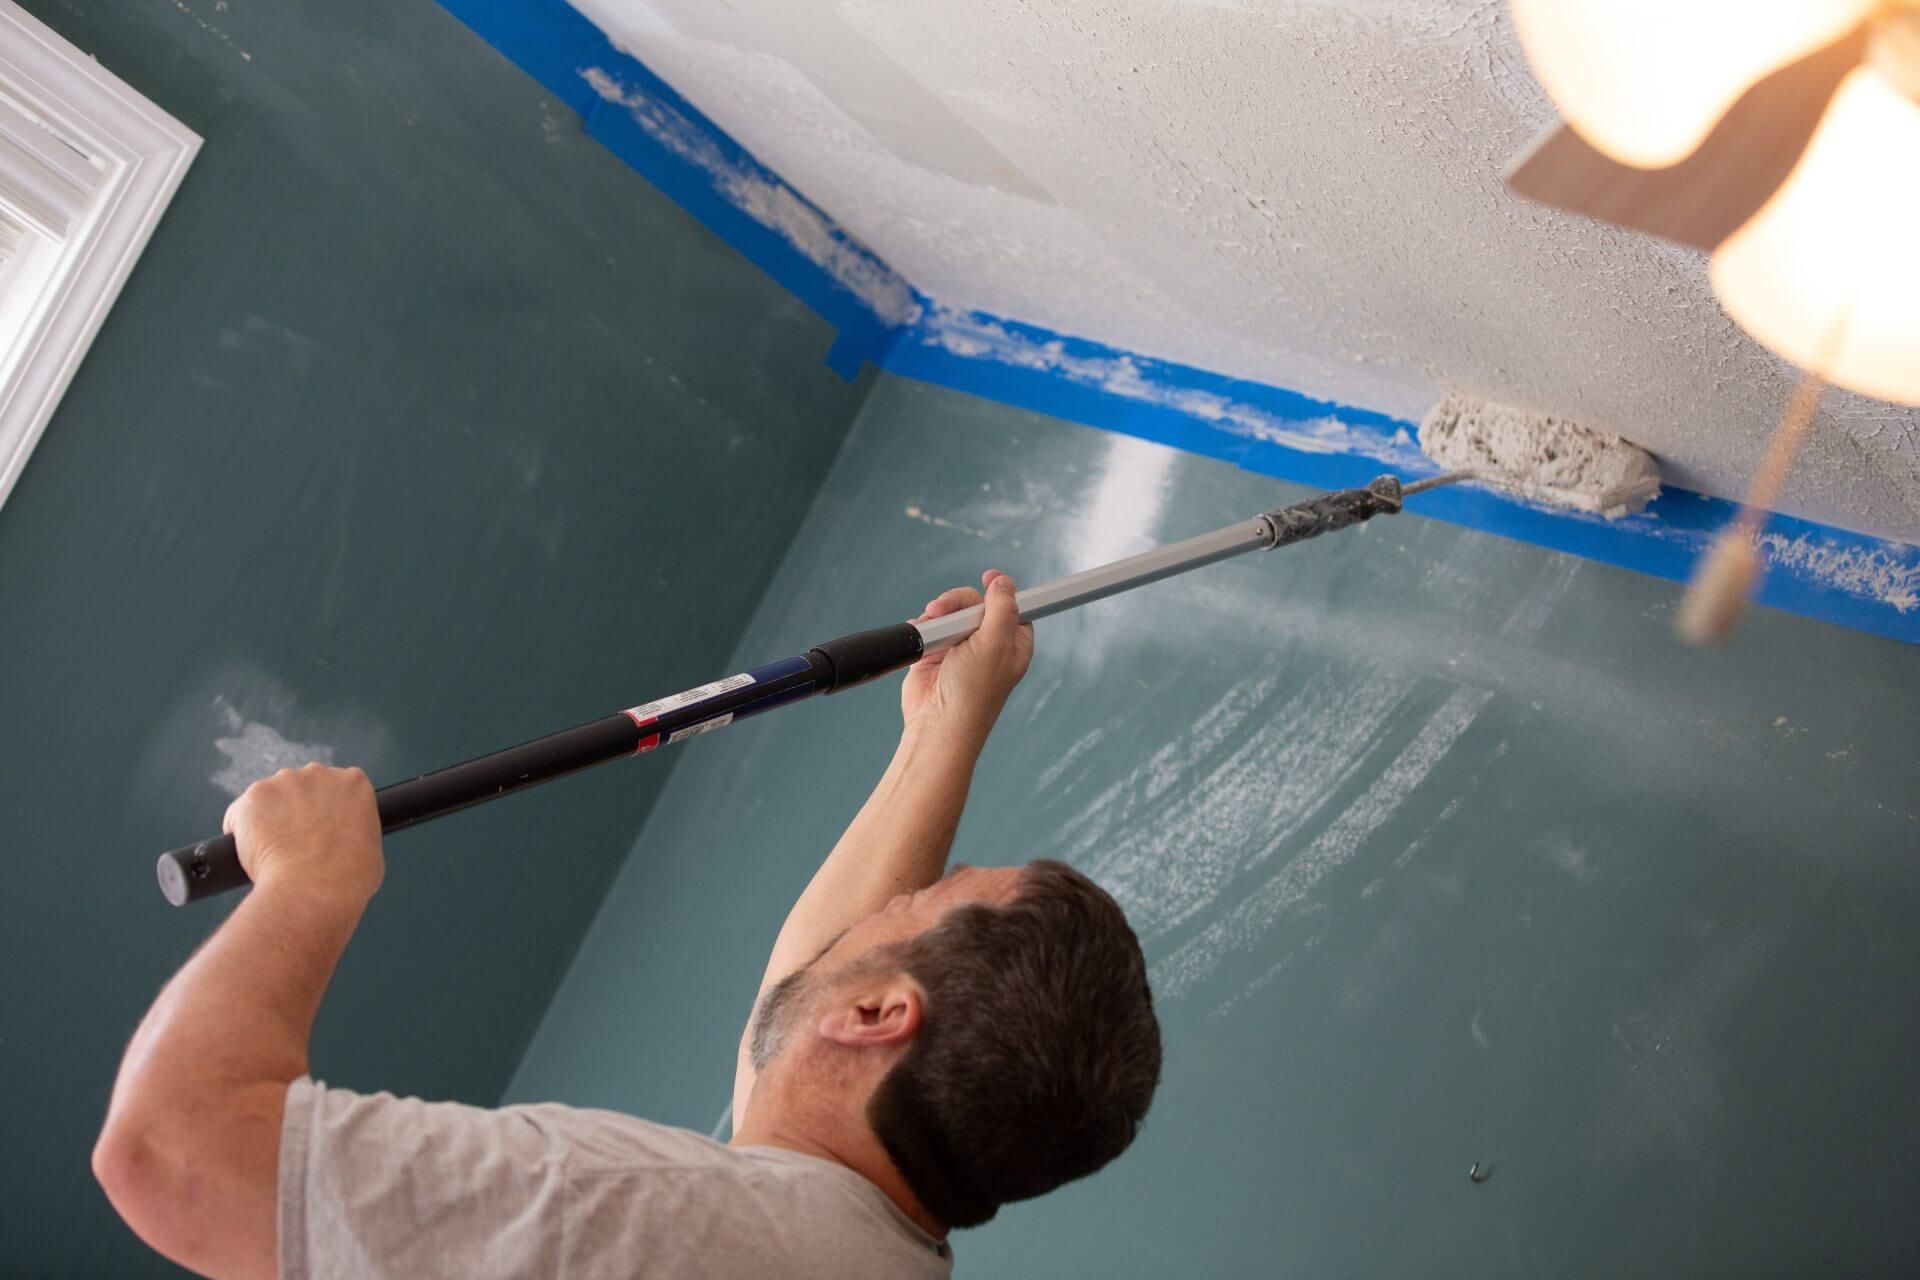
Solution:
(201, 870)
(213, 866)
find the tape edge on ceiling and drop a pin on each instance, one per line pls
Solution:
(1819, 571)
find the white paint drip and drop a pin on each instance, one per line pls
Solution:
(255, 751)
(768, 201)
(1889, 575)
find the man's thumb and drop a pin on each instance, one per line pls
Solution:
(1002, 610)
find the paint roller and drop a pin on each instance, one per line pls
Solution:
(212, 866)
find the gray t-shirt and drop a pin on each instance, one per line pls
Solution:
(377, 1186)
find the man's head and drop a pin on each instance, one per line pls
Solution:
(995, 1030)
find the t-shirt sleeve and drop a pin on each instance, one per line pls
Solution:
(375, 1186)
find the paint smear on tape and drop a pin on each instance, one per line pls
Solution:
(768, 201)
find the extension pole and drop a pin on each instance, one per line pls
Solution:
(213, 866)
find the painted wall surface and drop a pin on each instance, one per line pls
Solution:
(419, 430)
(1442, 848)
(1301, 193)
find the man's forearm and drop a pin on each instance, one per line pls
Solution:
(197, 1106)
(898, 843)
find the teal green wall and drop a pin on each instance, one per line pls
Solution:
(1443, 849)
(423, 426)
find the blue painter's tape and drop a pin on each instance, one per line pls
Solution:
(1867, 583)
(859, 344)
(1819, 571)
(550, 40)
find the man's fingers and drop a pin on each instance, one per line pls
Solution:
(952, 601)
(1002, 613)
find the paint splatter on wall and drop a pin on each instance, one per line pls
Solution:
(255, 751)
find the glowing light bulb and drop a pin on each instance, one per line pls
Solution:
(1827, 274)
(1645, 80)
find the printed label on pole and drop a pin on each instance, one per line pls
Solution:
(673, 702)
(705, 726)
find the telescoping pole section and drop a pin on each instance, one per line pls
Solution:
(213, 866)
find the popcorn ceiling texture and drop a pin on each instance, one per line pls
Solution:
(1302, 194)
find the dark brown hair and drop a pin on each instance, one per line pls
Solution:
(1039, 1052)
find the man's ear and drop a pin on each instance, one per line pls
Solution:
(876, 1015)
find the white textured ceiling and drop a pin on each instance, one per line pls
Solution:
(1302, 194)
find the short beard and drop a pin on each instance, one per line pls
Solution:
(774, 1016)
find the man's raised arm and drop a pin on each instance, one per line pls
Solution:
(190, 1152)
(898, 843)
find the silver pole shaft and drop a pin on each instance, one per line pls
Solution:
(1098, 584)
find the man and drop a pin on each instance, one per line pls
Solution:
(923, 1051)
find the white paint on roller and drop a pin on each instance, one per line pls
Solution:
(1550, 460)
(1302, 193)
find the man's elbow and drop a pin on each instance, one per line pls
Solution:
(125, 1162)
(143, 1174)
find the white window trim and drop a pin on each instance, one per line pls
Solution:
(145, 153)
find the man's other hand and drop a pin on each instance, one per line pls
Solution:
(963, 688)
(314, 826)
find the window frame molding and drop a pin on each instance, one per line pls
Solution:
(147, 153)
